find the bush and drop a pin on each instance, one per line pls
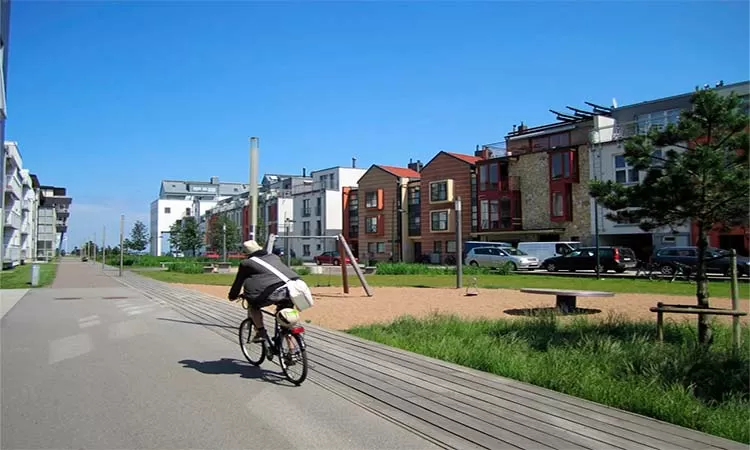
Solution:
(302, 271)
(426, 269)
(187, 267)
(614, 361)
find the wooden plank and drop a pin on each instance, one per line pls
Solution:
(561, 420)
(673, 432)
(503, 418)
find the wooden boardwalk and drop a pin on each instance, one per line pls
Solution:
(450, 405)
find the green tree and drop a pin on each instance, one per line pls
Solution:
(138, 237)
(186, 236)
(216, 235)
(702, 176)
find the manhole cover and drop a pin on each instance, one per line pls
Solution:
(68, 298)
(114, 298)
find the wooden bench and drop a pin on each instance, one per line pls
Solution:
(661, 308)
(565, 300)
(208, 269)
(223, 267)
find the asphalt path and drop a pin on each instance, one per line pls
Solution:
(91, 364)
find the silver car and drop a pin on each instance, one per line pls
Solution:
(496, 257)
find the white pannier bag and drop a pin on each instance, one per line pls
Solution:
(299, 291)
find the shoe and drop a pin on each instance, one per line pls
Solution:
(259, 336)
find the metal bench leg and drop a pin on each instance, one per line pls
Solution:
(566, 303)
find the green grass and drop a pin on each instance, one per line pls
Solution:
(718, 289)
(614, 362)
(20, 276)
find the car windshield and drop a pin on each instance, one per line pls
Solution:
(574, 253)
(514, 251)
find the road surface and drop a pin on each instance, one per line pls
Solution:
(91, 364)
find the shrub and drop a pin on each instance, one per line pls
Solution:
(187, 267)
(302, 271)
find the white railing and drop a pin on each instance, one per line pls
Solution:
(13, 220)
(13, 184)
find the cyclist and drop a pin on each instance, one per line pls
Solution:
(261, 287)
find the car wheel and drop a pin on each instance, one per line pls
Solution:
(336, 262)
(317, 261)
(551, 267)
(666, 269)
(619, 270)
(474, 264)
(513, 267)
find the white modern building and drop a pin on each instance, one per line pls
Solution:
(607, 162)
(317, 210)
(178, 199)
(12, 205)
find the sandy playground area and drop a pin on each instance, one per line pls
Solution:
(336, 310)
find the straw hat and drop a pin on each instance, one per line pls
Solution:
(251, 246)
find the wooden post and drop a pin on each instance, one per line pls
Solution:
(735, 301)
(660, 323)
(356, 268)
(344, 271)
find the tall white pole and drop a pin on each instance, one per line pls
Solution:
(122, 250)
(104, 245)
(252, 211)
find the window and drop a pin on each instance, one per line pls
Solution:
(558, 210)
(562, 165)
(414, 196)
(559, 140)
(306, 208)
(437, 247)
(624, 172)
(659, 119)
(371, 199)
(318, 229)
(353, 202)
(187, 211)
(483, 177)
(493, 176)
(306, 250)
(376, 247)
(167, 210)
(439, 191)
(371, 225)
(305, 228)
(318, 247)
(484, 210)
(439, 221)
(450, 247)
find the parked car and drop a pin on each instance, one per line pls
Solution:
(717, 260)
(498, 256)
(618, 259)
(468, 245)
(332, 258)
(545, 250)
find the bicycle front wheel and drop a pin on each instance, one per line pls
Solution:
(255, 352)
(293, 358)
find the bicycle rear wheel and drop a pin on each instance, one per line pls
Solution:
(255, 352)
(293, 359)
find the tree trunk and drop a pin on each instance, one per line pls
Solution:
(701, 285)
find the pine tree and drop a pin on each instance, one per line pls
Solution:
(701, 177)
(138, 237)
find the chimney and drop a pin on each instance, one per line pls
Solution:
(354, 163)
(522, 128)
(485, 152)
(304, 171)
(214, 180)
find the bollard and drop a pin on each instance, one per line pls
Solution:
(35, 275)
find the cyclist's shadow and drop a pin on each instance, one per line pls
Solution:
(231, 366)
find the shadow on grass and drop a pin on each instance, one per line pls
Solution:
(231, 366)
(536, 312)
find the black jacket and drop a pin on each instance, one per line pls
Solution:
(257, 281)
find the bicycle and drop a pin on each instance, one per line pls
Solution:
(648, 270)
(294, 356)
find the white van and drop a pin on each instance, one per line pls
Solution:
(544, 250)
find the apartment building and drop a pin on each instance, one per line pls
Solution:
(235, 209)
(317, 208)
(56, 198)
(445, 178)
(607, 162)
(350, 216)
(381, 195)
(276, 201)
(179, 198)
(13, 193)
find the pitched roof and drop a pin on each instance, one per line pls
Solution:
(402, 172)
(470, 159)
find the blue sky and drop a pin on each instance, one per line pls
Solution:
(109, 98)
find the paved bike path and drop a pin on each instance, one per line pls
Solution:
(94, 364)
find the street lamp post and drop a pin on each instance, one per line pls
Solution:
(224, 229)
(459, 246)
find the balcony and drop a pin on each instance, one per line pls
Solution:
(26, 205)
(26, 227)
(415, 229)
(501, 214)
(13, 220)
(13, 185)
(508, 184)
(501, 224)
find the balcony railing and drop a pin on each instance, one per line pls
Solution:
(508, 184)
(314, 187)
(13, 220)
(501, 224)
(13, 185)
(353, 230)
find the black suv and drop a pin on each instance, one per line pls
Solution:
(717, 260)
(618, 259)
